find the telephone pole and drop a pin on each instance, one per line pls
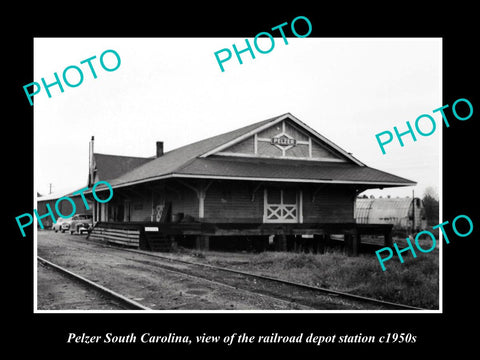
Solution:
(413, 208)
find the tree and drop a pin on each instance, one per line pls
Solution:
(430, 201)
(431, 192)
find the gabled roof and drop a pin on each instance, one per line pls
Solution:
(198, 160)
(57, 195)
(271, 122)
(298, 171)
(109, 167)
(175, 159)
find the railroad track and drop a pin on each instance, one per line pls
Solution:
(284, 283)
(310, 297)
(133, 305)
(129, 304)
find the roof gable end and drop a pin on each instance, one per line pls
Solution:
(283, 137)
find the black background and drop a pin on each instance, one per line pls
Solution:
(46, 333)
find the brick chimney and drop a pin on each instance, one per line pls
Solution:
(159, 148)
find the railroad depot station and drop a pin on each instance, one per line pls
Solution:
(275, 183)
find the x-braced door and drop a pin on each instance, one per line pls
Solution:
(281, 205)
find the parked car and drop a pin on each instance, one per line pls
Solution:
(80, 223)
(61, 225)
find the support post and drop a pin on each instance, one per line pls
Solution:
(352, 242)
(201, 194)
(202, 242)
(356, 241)
(297, 243)
(347, 239)
(201, 204)
(290, 242)
(281, 242)
(173, 242)
(388, 242)
(320, 241)
(264, 243)
(310, 245)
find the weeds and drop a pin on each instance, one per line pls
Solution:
(415, 282)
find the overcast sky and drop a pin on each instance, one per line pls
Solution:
(172, 90)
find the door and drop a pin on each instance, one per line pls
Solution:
(115, 213)
(281, 205)
(126, 212)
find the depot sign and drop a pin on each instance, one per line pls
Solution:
(283, 141)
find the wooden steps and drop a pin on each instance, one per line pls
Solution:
(139, 237)
(125, 237)
(157, 241)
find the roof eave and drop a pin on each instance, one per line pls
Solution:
(370, 184)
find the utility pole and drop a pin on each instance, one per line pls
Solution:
(413, 207)
(91, 175)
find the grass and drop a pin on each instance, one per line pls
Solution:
(415, 282)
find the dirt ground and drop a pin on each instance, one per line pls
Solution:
(414, 282)
(59, 292)
(136, 276)
(139, 276)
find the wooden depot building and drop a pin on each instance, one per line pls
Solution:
(275, 180)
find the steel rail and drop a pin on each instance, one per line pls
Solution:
(131, 304)
(282, 281)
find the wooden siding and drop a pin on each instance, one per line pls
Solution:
(143, 204)
(185, 202)
(232, 202)
(140, 204)
(271, 131)
(244, 147)
(296, 133)
(300, 150)
(267, 149)
(319, 151)
(241, 201)
(330, 204)
(142, 211)
(259, 145)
